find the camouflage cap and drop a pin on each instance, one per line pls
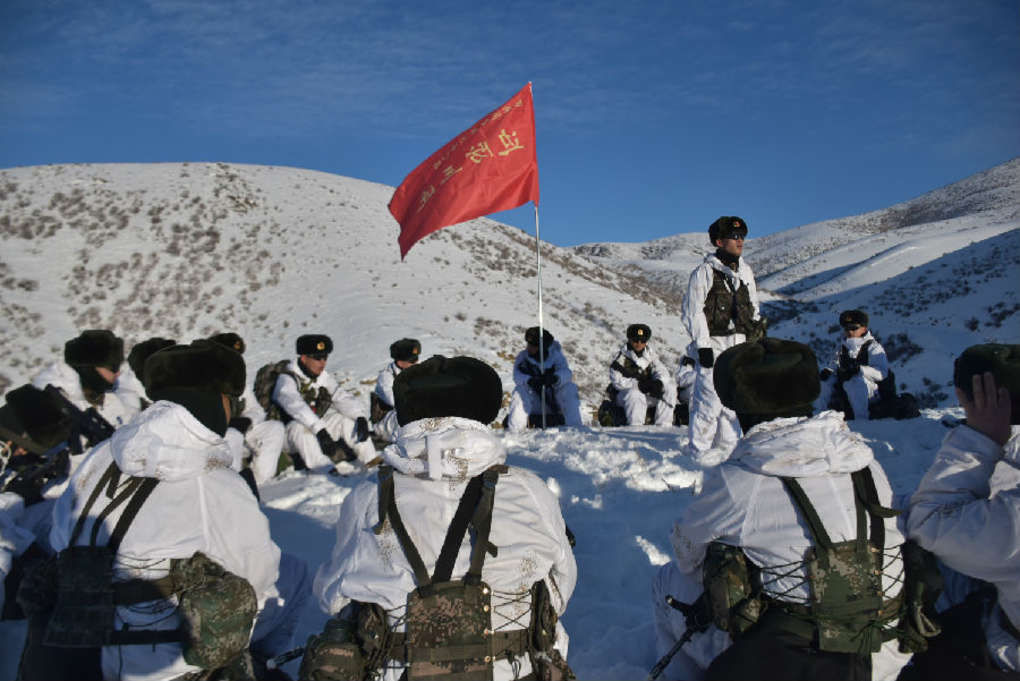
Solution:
(1003, 361)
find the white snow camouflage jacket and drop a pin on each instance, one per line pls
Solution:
(698, 286)
(433, 459)
(974, 530)
(744, 503)
(200, 504)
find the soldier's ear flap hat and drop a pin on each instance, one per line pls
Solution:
(95, 348)
(448, 386)
(314, 344)
(771, 378)
(853, 318)
(726, 227)
(141, 351)
(203, 366)
(531, 337)
(405, 350)
(639, 332)
(231, 340)
(34, 412)
(1003, 361)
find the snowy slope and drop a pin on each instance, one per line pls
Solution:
(186, 249)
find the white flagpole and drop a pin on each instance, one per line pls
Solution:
(541, 325)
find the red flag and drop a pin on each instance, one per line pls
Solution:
(489, 167)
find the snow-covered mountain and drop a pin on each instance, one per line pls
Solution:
(183, 250)
(935, 274)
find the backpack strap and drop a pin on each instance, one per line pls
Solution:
(108, 476)
(818, 534)
(388, 509)
(482, 522)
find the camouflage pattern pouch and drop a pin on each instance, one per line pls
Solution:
(333, 655)
(83, 614)
(734, 601)
(448, 632)
(217, 610)
(846, 597)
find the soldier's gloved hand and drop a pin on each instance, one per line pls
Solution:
(706, 358)
(326, 443)
(240, 423)
(536, 383)
(360, 429)
(655, 388)
(825, 373)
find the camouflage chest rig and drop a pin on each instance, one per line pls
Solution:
(318, 399)
(725, 303)
(71, 599)
(846, 611)
(448, 632)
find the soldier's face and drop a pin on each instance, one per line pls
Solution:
(733, 246)
(108, 375)
(314, 365)
(226, 405)
(638, 345)
(855, 331)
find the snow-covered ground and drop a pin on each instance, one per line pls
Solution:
(184, 250)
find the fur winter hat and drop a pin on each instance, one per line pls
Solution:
(141, 351)
(313, 344)
(1003, 361)
(231, 340)
(726, 227)
(448, 386)
(531, 337)
(772, 378)
(39, 415)
(853, 318)
(639, 332)
(405, 350)
(95, 348)
(203, 366)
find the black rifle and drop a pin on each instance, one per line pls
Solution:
(697, 617)
(86, 424)
(35, 469)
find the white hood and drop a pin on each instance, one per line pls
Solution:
(167, 442)
(803, 447)
(450, 447)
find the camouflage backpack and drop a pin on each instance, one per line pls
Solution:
(846, 612)
(265, 382)
(71, 599)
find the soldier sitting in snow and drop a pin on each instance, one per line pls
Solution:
(404, 353)
(319, 417)
(452, 565)
(639, 380)
(862, 370)
(790, 540)
(536, 380)
(966, 511)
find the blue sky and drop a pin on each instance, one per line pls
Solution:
(653, 118)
